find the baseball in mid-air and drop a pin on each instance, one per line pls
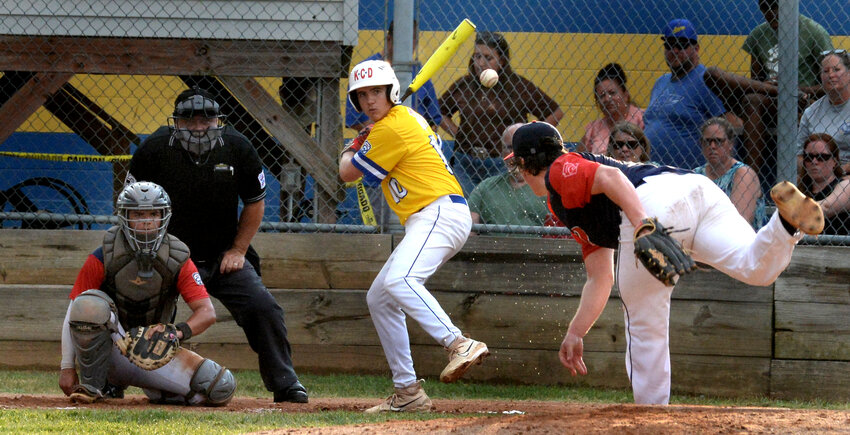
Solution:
(489, 78)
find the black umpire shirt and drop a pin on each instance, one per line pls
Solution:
(204, 197)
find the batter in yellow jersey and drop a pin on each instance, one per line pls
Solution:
(404, 153)
(406, 156)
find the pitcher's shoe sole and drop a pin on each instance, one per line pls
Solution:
(799, 210)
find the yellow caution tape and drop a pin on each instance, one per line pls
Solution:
(66, 157)
(366, 211)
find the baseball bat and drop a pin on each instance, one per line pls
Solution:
(437, 60)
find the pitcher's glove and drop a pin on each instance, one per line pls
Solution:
(661, 254)
(358, 141)
(150, 347)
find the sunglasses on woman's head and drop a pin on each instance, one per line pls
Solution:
(617, 144)
(833, 51)
(821, 157)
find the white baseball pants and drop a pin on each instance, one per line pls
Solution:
(432, 236)
(716, 234)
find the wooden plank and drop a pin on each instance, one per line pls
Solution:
(329, 135)
(812, 345)
(323, 246)
(28, 98)
(553, 250)
(44, 256)
(153, 56)
(720, 375)
(812, 317)
(316, 317)
(713, 285)
(810, 380)
(816, 274)
(285, 128)
(291, 260)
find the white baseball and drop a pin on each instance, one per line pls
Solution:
(489, 78)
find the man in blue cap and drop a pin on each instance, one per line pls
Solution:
(690, 94)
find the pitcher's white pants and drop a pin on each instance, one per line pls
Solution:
(432, 236)
(717, 235)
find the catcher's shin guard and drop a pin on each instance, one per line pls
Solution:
(91, 327)
(214, 382)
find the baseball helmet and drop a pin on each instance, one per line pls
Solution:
(373, 73)
(143, 195)
(534, 138)
(189, 104)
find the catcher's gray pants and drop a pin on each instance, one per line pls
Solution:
(431, 237)
(173, 378)
(714, 233)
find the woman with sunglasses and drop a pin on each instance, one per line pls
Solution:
(831, 113)
(615, 103)
(628, 143)
(822, 180)
(738, 181)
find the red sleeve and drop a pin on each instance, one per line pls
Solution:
(572, 177)
(90, 277)
(189, 283)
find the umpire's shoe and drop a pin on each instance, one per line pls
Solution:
(411, 398)
(463, 353)
(296, 393)
(86, 394)
(797, 209)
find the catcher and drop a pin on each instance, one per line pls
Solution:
(126, 295)
(650, 213)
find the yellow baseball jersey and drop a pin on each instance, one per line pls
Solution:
(406, 156)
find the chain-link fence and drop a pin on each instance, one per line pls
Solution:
(84, 83)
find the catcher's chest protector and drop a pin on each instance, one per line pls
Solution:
(142, 301)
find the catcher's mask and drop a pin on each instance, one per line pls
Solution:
(143, 229)
(196, 123)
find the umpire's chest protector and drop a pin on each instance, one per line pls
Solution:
(142, 301)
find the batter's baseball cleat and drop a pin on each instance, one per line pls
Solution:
(463, 353)
(797, 209)
(411, 398)
(85, 394)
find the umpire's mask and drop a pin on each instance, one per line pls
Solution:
(196, 123)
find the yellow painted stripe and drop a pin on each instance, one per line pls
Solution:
(67, 157)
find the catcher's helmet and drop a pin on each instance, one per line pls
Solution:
(192, 103)
(143, 195)
(373, 73)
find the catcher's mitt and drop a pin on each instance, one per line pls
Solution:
(150, 347)
(661, 254)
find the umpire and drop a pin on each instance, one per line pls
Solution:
(207, 167)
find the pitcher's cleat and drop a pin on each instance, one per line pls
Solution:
(797, 209)
(411, 398)
(463, 353)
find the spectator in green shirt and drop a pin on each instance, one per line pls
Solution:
(762, 45)
(506, 199)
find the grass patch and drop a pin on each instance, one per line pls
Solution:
(379, 387)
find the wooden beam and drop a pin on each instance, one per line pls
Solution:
(170, 56)
(286, 129)
(88, 120)
(28, 99)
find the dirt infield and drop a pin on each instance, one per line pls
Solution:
(516, 416)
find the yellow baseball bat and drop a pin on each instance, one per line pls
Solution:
(437, 60)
